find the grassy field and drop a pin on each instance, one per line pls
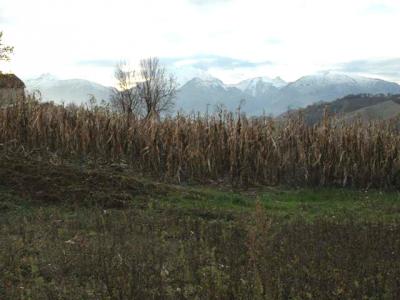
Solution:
(80, 231)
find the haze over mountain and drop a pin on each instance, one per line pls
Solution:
(67, 91)
(255, 95)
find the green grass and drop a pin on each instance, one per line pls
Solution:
(278, 202)
(28, 182)
(288, 203)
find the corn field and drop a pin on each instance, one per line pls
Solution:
(223, 147)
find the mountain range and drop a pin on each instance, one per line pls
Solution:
(255, 96)
(67, 91)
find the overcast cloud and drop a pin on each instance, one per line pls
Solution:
(207, 62)
(232, 39)
(384, 68)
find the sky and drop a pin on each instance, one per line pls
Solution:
(229, 39)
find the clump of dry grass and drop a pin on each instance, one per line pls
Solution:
(222, 147)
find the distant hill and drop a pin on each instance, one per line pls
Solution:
(381, 111)
(364, 106)
(67, 91)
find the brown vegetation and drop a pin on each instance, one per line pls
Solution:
(222, 147)
(63, 235)
(147, 254)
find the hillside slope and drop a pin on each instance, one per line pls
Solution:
(368, 107)
(381, 111)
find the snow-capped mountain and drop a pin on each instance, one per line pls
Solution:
(253, 95)
(259, 84)
(274, 96)
(187, 73)
(68, 91)
(324, 79)
(210, 83)
(202, 94)
(44, 79)
(328, 86)
(261, 94)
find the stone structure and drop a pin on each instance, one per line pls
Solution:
(11, 89)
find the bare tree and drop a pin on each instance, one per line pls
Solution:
(156, 88)
(125, 97)
(5, 51)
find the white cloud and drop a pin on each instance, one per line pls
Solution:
(307, 35)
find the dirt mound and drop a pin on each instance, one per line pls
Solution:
(73, 183)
